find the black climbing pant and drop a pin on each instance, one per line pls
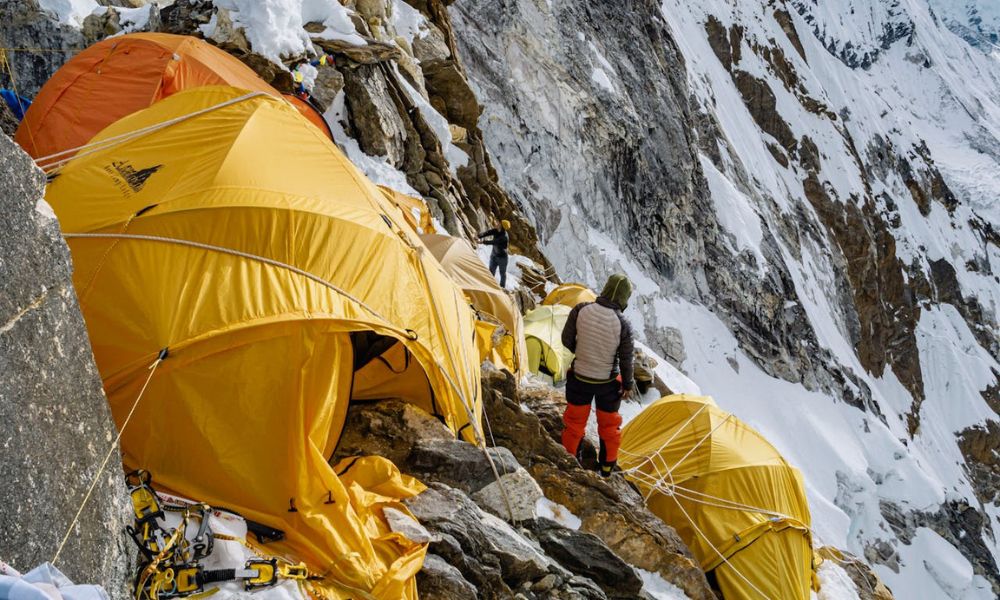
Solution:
(499, 262)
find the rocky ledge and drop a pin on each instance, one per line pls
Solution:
(561, 532)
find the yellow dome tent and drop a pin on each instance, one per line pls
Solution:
(569, 294)
(222, 226)
(467, 270)
(737, 504)
(543, 336)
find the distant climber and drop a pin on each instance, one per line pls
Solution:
(601, 337)
(498, 238)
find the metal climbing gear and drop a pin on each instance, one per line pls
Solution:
(170, 566)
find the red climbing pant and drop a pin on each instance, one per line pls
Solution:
(574, 425)
(609, 429)
(579, 396)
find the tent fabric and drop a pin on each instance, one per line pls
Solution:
(714, 458)
(119, 76)
(310, 112)
(569, 294)
(543, 337)
(467, 270)
(414, 209)
(295, 250)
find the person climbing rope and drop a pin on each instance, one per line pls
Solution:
(498, 238)
(601, 338)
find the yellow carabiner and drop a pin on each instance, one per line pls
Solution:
(290, 571)
(187, 580)
(266, 573)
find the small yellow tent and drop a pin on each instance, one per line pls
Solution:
(569, 294)
(467, 270)
(739, 506)
(224, 227)
(543, 336)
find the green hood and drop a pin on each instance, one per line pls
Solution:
(618, 289)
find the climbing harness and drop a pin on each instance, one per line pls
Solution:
(171, 558)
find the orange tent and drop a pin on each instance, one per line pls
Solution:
(310, 112)
(122, 75)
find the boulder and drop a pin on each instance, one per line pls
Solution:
(452, 514)
(516, 488)
(98, 26)
(372, 53)
(329, 83)
(586, 555)
(389, 428)
(431, 47)
(380, 128)
(55, 424)
(438, 580)
(459, 465)
(450, 93)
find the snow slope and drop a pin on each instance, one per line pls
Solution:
(880, 114)
(933, 90)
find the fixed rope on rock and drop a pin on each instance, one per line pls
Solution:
(107, 457)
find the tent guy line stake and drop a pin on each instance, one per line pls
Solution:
(111, 450)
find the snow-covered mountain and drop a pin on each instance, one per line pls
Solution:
(821, 254)
(977, 21)
(803, 191)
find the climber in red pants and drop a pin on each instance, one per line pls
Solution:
(601, 338)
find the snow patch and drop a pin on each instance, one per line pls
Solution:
(557, 512)
(835, 583)
(659, 588)
(134, 19)
(276, 28)
(70, 12)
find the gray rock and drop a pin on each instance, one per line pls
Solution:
(459, 465)
(44, 45)
(586, 555)
(516, 488)
(479, 533)
(438, 580)
(55, 424)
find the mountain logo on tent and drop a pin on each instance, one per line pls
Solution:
(134, 178)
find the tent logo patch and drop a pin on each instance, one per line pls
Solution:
(127, 175)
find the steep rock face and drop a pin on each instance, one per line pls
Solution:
(55, 425)
(588, 116)
(40, 44)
